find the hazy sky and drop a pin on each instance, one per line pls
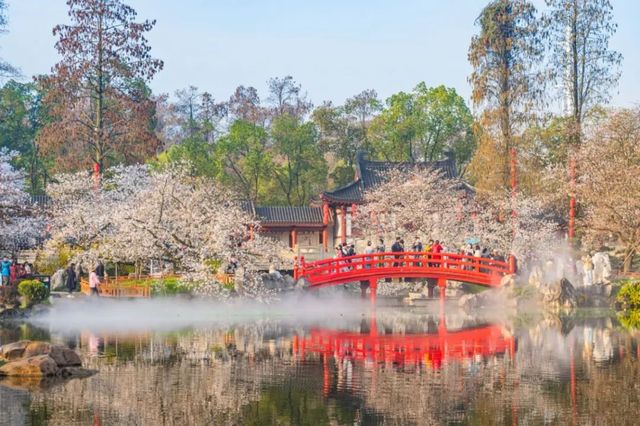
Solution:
(334, 48)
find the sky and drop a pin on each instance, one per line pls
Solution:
(334, 48)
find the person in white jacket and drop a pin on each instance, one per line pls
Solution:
(94, 283)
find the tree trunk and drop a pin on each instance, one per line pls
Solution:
(99, 95)
(628, 259)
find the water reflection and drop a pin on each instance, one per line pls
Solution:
(399, 367)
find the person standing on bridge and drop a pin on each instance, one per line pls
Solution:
(351, 251)
(397, 248)
(436, 249)
(417, 248)
(369, 250)
(338, 255)
(381, 248)
(417, 245)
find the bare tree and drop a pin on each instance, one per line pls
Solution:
(188, 108)
(97, 97)
(244, 104)
(287, 98)
(582, 60)
(211, 114)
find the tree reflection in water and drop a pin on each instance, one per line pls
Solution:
(403, 367)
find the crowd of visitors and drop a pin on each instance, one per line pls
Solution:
(432, 249)
(12, 271)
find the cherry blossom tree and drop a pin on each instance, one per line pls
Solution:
(520, 226)
(608, 184)
(20, 222)
(420, 202)
(423, 203)
(139, 214)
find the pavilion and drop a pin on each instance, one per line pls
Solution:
(314, 231)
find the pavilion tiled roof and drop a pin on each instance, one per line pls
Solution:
(273, 215)
(372, 173)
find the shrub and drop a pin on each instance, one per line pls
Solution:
(169, 287)
(630, 319)
(629, 295)
(33, 291)
(48, 263)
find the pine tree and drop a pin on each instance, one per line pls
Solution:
(505, 82)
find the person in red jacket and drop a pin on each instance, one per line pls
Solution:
(436, 249)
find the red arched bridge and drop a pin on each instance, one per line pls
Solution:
(369, 268)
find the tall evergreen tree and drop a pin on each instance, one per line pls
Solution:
(505, 83)
(97, 95)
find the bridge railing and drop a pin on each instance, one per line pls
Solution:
(406, 262)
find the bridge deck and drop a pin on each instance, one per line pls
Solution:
(371, 267)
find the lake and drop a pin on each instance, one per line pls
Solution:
(326, 361)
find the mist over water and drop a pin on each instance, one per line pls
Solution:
(168, 314)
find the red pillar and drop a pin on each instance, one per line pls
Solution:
(295, 343)
(294, 238)
(343, 224)
(373, 286)
(442, 285)
(513, 265)
(326, 385)
(373, 325)
(325, 226)
(96, 175)
(442, 328)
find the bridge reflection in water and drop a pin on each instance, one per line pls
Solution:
(428, 350)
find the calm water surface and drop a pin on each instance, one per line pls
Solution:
(398, 366)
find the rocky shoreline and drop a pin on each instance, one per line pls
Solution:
(29, 363)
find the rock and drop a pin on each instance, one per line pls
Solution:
(277, 281)
(37, 366)
(12, 313)
(302, 284)
(36, 348)
(76, 372)
(13, 351)
(558, 294)
(468, 301)
(64, 357)
(416, 296)
(601, 268)
(58, 281)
